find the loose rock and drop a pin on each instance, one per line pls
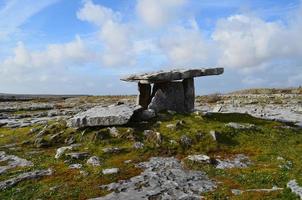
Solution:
(110, 171)
(94, 161)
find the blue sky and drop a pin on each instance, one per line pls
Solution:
(85, 46)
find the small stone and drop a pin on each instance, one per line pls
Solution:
(113, 132)
(171, 126)
(236, 192)
(185, 141)
(61, 151)
(214, 135)
(110, 171)
(138, 145)
(199, 158)
(78, 155)
(127, 161)
(94, 161)
(75, 166)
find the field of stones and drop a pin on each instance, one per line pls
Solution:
(245, 145)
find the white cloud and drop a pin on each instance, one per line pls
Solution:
(248, 42)
(185, 47)
(156, 13)
(54, 57)
(114, 35)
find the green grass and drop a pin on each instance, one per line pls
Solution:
(263, 145)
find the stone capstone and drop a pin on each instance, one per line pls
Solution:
(172, 75)
(104, 116)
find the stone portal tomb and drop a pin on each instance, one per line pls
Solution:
(171, 90)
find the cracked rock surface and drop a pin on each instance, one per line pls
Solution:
(162, 178)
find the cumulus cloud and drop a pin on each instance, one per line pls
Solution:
(55, 56)
(156, 13)
(185, 46)
(114, 35)
(248, 42)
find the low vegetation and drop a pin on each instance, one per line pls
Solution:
(274, 148)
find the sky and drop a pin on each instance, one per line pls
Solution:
(86, 46)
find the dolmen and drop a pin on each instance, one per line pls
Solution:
(158, 91)
(171, 90)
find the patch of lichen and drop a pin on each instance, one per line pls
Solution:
(263, 144)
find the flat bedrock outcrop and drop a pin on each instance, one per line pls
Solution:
(163, 178)
(104, 116)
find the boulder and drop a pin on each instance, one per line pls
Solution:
(104, 116)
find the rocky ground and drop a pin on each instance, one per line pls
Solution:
(217, 152)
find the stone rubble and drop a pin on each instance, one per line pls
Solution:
(162, 178)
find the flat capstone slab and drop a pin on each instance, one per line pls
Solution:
(104, 116)
(172, 75)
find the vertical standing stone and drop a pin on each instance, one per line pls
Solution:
(189, 93)
(168, 96)
(144, 96)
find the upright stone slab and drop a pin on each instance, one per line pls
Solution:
(144, 96)
(168, 96)
(189, 94)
